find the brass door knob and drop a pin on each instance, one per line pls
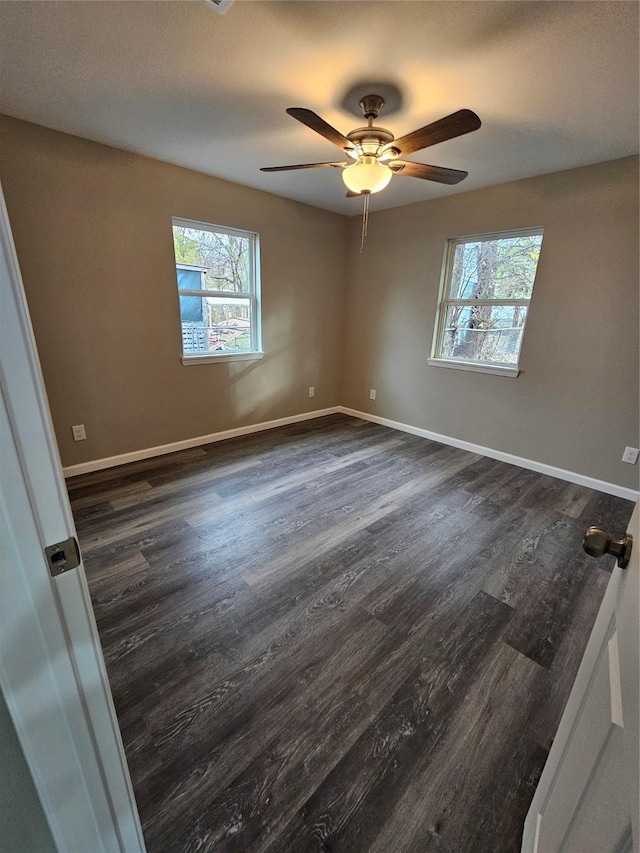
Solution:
(598, 542)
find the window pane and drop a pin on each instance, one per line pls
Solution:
(221, 261)
(495, 269)
(484, 333)
(224, 326)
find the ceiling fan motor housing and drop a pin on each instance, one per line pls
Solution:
(370, 139)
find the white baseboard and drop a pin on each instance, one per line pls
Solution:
(197, 441)
(530, 464)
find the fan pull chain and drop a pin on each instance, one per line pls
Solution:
(365, 220)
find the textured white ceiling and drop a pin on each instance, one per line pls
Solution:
(555, 83)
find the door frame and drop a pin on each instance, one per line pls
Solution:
(52, 672)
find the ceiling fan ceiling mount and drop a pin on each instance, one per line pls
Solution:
(371, 106)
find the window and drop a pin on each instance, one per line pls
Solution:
(218, 286)
(486, 290)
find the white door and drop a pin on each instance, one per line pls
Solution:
(588, 798)
(52, 673)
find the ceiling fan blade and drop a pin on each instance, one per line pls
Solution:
(428, 173)
(320, 126)
(302, 166)
(457, 124)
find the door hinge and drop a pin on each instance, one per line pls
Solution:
(62, 556)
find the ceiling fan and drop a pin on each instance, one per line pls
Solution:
(373, 152)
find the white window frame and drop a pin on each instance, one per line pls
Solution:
(496, 368)
(253, 294)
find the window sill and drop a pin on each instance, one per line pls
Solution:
(188, 360)
(510, 372)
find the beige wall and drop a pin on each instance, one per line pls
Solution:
(575, 405)
(92, 230)
(92, 227)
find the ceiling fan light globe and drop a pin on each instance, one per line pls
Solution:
(367, 176)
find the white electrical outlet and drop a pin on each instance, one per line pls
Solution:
(630, 455)
(312, 391)
(372, 394)
(79, 433)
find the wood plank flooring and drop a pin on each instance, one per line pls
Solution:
(337, 637)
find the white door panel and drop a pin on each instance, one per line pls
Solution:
(51, 669)
(588, 797)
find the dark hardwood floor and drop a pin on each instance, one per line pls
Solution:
(337, 637)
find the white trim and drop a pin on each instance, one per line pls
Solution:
(197, 441)
(529, 231)
(472, 302)
(536, 840)
(615, 681)
(197, 225)
(52, 671)
(189, 360)
(479, 367)
(206, 293)
(520, 461)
